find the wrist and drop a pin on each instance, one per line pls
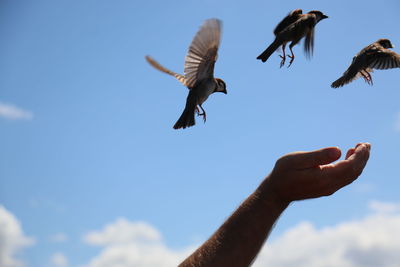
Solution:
(270, 196)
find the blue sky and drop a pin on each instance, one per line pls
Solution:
(86, 124)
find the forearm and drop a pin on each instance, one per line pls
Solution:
(296, 176)
(237, 242)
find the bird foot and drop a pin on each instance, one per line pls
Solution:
(291, 60)
(198, 111)
(203, 115)
(282, 61)
(367, 78)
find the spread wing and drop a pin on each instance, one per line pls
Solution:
(385, 59)
(371, 57)
(156, 65)
(289, 19)
(202, 54)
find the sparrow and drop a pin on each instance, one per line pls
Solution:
(199, 72)
(293, 28)
(374, 56)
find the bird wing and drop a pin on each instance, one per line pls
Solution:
(202, 54)
(371, 57)
(289, 19)
(385, 59)
(300, 27)
(309, 43)
(157, 65)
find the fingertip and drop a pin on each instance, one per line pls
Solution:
(350, 152)
(367, 149)
(366, 144)
(363, 147)
(361, 154)
(334, 152)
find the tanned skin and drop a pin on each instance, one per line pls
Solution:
(296, 176)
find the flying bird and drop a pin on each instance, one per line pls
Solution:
(293, 28)
(374, 56)
(199, 72)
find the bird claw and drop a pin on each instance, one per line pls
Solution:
(203, 115)
(282, 61)
(291, 60)
(367, 78)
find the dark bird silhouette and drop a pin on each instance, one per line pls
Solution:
(374, 56)
(293, 28)
(199, 72)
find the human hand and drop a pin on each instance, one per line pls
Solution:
(303, 175)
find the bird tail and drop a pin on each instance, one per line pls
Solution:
(353, 72)
(339, 82)
(347, 77)
(186, 119)
(159, 67)
(269, 51)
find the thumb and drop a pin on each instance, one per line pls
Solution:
(305, 160)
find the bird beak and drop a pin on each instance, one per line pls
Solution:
(324, 17)
(225, 92)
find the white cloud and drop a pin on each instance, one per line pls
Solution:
(132, 244)
(397, 122)
(59, 260)
(370, 241)
(12, 239)
(12, 112)
(58, 238)
(123, 231)
(384, 207)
